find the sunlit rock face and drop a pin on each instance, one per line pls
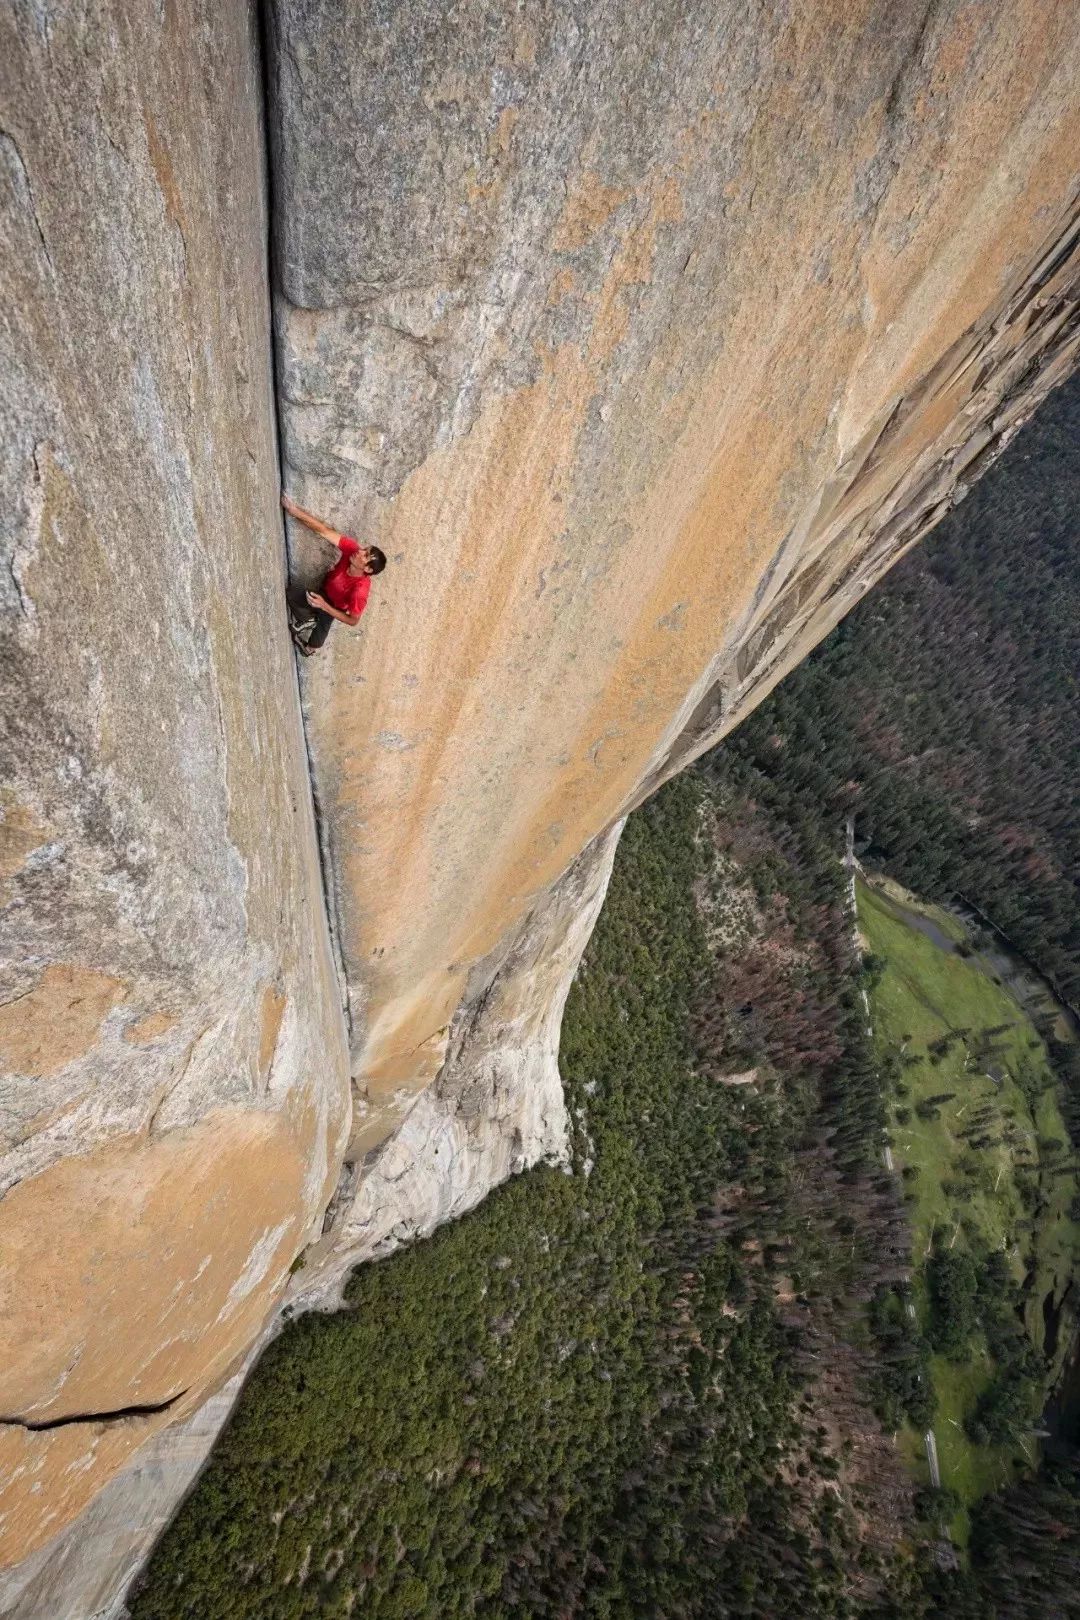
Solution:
(174, 1090)
(642, 340)
(83, 1573)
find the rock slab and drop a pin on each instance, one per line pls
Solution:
(173, 1075)
(642, 341)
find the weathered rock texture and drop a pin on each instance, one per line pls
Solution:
(497, 1106)
(174, 1083)
(643, 339)
(83, 1574)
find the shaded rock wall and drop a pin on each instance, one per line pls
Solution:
(497, 1105)
(642, 342)
(174, 1082)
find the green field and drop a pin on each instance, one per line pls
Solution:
(1001, 1186)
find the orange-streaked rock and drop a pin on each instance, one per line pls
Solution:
(643, 340)
(150, 1028)
(174, 1088)
(642, 347)
(180, 1239)
(167, 1254)
(56, 1021)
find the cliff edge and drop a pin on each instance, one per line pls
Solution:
(174, 1097)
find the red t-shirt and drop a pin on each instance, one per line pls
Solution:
(348, 593)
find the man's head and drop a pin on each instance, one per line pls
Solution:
(368, 560)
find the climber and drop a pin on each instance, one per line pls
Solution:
(344, 592)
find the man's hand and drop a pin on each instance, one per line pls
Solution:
(310, 521)
(320, 602)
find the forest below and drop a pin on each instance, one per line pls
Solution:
(574, 1400)
(943, 712)
(666, 1383)
(942, 716)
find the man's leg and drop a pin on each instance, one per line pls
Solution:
(323, 625)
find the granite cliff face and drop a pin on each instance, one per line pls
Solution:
(174, 1094)
(643, 342)
(641, 347)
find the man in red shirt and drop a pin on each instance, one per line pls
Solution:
(344, 592)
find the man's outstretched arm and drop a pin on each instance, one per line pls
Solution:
(310, 521)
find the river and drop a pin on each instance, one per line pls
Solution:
(991, 951)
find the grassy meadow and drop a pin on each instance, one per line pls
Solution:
(977, 1133)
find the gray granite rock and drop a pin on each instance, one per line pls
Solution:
(173, 1087)
(643, 340)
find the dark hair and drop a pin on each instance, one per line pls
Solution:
(376, 560)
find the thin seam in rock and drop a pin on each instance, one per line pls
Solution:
(120, 1413)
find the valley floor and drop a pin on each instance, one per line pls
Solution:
(977, 1132)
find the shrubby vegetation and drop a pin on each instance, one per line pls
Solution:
(952, 1283)
(1025, 1554)
(994, 1244)
(993, 1241)
(901, 1377)
(943, 716)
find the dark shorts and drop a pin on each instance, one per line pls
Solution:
(320, 629)
(310, 626)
